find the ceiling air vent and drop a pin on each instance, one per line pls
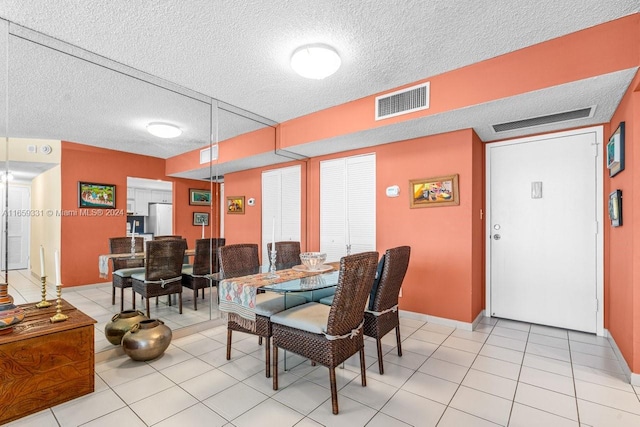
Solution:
(565, 116)
(403, 101)
(206, 155)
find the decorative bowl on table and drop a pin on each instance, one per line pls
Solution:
(313, 260)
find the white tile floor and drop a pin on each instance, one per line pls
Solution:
(503, 373)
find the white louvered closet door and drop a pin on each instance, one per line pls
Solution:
(281, 199)
(347, 205)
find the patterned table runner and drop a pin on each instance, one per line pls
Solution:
(238, 294)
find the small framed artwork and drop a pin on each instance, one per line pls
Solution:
(199, 197)
(615, 208)
(200, 218)
(615, 151)
(235, 204)
(93, 195)
(430, 192)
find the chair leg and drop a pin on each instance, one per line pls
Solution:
(179, 301)
(363, 370)
(398, 340)
(229, 344)
(121, 299)
(267, 357)
(146, 300)
(334, 390)
(133, 298)
(259, 340)
(113, 295)
(195, 298)
(379, 345)
(275, 367)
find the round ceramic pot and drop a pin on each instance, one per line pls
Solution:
(121, 323)
(147, 339)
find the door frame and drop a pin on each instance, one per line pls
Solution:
(598, 131)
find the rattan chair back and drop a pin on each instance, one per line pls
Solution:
(354, 285)
(203, 262)
(287, 253)
(164, 259)
(396, 262)
(122, 245)
(167, 237)
(238, 258)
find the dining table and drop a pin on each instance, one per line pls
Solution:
(103, 260)
(237, 292)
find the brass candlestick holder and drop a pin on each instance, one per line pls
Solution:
(59, 316)
(44, 303)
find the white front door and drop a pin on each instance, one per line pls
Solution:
(18, 218)
(542, 204)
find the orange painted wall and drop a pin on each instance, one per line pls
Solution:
(605, 48)
(622, 263)
(86, 237)
(443, 279)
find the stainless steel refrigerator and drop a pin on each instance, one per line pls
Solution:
(160, 221)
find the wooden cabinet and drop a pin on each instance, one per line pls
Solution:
(43, 364)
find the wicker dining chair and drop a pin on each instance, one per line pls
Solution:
(381, 315)
(240, 260)
(163, 271)
(123, 268)
(287, 253)
(204, 263)
(329, 335)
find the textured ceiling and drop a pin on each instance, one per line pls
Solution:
(238, 52)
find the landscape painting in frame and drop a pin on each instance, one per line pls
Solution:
(93, 195)
(430, 192)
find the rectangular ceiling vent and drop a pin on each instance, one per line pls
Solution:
(565, 116)
(206, 155)
(403, 101)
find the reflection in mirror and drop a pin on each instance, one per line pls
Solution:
(77, 117)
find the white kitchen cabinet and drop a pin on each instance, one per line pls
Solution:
(142, 200)
(159, 196)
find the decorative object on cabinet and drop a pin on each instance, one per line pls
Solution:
(235, 204)
(438, 191)
(92, 195)
(615, 151)
(199, 197)
(615, 208)
(200, 218)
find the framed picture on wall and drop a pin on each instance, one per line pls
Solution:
(437, 191)
(615, 208)
(199, 197)
(200, 218)
(93, 195)
(615, 151)
(235, 204)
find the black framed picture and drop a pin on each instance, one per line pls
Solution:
(93, 195)
(615, 208)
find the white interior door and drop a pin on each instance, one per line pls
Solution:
(19, 218)
(543, 230)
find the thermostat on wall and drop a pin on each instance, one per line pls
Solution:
(251, 201)
(393, 191)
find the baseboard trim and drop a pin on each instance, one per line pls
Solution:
(442, 320)
(634, 379)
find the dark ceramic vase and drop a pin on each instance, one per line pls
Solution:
(147, 340)
(121, 323)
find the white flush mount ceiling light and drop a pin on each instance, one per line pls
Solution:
(163, 130)
(315, 61)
